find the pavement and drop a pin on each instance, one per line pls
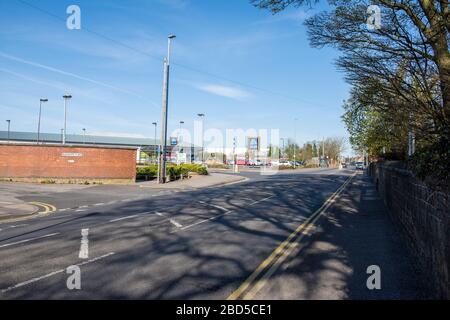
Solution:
(303, 235)
(196, 181)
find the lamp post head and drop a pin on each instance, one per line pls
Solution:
(181, 122)
(67, 96)
(154, 123)
(44, 100)
(171, 36)
(201, 114)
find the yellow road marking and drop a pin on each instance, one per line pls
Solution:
(284, 249)
(48, 208)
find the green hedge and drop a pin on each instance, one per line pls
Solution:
(197, 168)
(147, 173)
(174, 172)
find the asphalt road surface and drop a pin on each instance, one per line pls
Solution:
(214, 243)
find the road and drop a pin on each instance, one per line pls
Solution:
(213, 243)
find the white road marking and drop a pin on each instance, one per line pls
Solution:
(99, 204)
(83, 207)
(176, 224)
(214, 206)
(21, 284)
(18, 225)
(160, 214)
(203, 221)
(27, 240)
(84, 247)
(123, 218)
(253, 203)
(218, 216)
(61, 210)
(80, 210)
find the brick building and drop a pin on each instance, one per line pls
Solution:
(75, 163)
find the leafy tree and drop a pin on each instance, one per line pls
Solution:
(400, 73)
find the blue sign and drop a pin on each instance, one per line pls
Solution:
(173, 141)
(253, 143)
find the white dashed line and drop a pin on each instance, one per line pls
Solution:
(99, 204)
(176, 224)
(124, 218)
(214, 206)
(262, 200)
(21, 284)
(28, 240)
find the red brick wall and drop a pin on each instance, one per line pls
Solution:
(33, 161)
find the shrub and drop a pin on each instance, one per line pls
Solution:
(197, 168)
(48, 181)
(146, 173)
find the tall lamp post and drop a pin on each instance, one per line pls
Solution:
(39, 120)
(155, 124)
(66, 97)
(84, 135)
(9, 129)
(179, 132)
(202, 116)
(165, 107)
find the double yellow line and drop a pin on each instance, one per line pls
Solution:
(48, 208)
(254, 283)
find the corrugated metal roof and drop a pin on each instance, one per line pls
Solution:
(79, 139)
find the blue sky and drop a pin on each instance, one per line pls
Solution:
(117, 89)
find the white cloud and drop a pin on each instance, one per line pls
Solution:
(224, 91)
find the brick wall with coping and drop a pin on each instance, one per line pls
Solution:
(423, 218)
(31, 161)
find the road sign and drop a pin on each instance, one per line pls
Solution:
(253, 144)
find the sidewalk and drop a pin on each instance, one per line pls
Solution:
(354, 233)
(195, 182)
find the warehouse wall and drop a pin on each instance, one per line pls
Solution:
(66, 162)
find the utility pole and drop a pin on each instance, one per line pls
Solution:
(66, 98)
(9, 129)
(165, 107)
(39, 120)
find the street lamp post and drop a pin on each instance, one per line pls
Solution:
(179, 132)
(66, 98)
(39, 120)
(283, 149)
(155, 124)
(202, 116)
(9, 129)
(84, 135)
(165, 107)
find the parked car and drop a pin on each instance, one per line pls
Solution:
(359, 165)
